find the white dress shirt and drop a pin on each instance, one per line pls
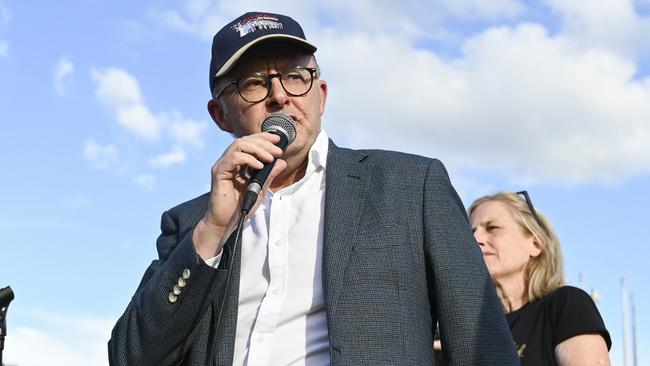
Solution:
(281, 317)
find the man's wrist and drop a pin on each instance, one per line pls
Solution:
(207, 240)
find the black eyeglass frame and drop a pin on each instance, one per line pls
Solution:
(268, 78)
(532, 210)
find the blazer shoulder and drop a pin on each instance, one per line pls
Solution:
(384, 157)
(394, 159)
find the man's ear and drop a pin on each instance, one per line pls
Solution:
(217, 112)
(323, 95)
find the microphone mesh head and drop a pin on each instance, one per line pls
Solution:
(282, 123)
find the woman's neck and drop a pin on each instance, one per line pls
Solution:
(512, 291)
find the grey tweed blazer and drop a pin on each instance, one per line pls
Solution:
(398, 257)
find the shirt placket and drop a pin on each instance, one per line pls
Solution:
(272, 303)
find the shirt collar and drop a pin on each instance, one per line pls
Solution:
(317, 159)
(318, 152)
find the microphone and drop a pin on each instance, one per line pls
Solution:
(278, 124)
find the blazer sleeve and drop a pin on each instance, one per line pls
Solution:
(473, 329)
(156, 327)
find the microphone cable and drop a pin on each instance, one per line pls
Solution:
(233, 253)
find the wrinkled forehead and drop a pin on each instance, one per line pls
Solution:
(491, 210)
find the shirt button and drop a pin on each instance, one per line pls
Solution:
(278, 243)
(276, 292)
(260, 339)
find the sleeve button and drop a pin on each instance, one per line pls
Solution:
(172, 298)
(186, 273)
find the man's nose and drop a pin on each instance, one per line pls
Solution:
(277, 95)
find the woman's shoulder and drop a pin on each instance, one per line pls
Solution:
(567, 298)
(574, 312)
(568, 293)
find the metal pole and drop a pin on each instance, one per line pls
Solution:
(633, 328)
(624, 314)
(595, 295)
(581, 281)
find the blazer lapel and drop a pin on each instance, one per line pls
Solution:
(346, 184)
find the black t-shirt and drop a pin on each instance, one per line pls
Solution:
(541, 325)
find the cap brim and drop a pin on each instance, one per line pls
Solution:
(233, 59)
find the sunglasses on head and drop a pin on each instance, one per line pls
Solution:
(532, 210)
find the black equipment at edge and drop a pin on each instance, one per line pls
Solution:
(6, 295)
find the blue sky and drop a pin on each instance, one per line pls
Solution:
(103, 126)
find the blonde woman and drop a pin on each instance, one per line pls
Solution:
(551, 323)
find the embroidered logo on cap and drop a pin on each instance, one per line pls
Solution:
(255, 22)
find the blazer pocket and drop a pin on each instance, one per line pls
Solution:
(368, 310)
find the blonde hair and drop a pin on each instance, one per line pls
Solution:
(544, 273)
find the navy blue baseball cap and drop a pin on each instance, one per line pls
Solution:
(236, 37)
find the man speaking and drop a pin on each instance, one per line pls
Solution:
(334, 256)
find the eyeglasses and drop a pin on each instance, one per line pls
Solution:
(532, 211)
(256, 87)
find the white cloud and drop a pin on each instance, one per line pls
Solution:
(138, 119)
(176, 156)
(184, 130)
(31, 347)
(120, 91)
(63, 71)
(101, 157)
(146, 181)
(203, 18)
(116, 87)
(468, 189)
(198, 17)
(485, 9)
(416, 18)
(612, 24)
(517, 101)
(5, 15)
(61, 340)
